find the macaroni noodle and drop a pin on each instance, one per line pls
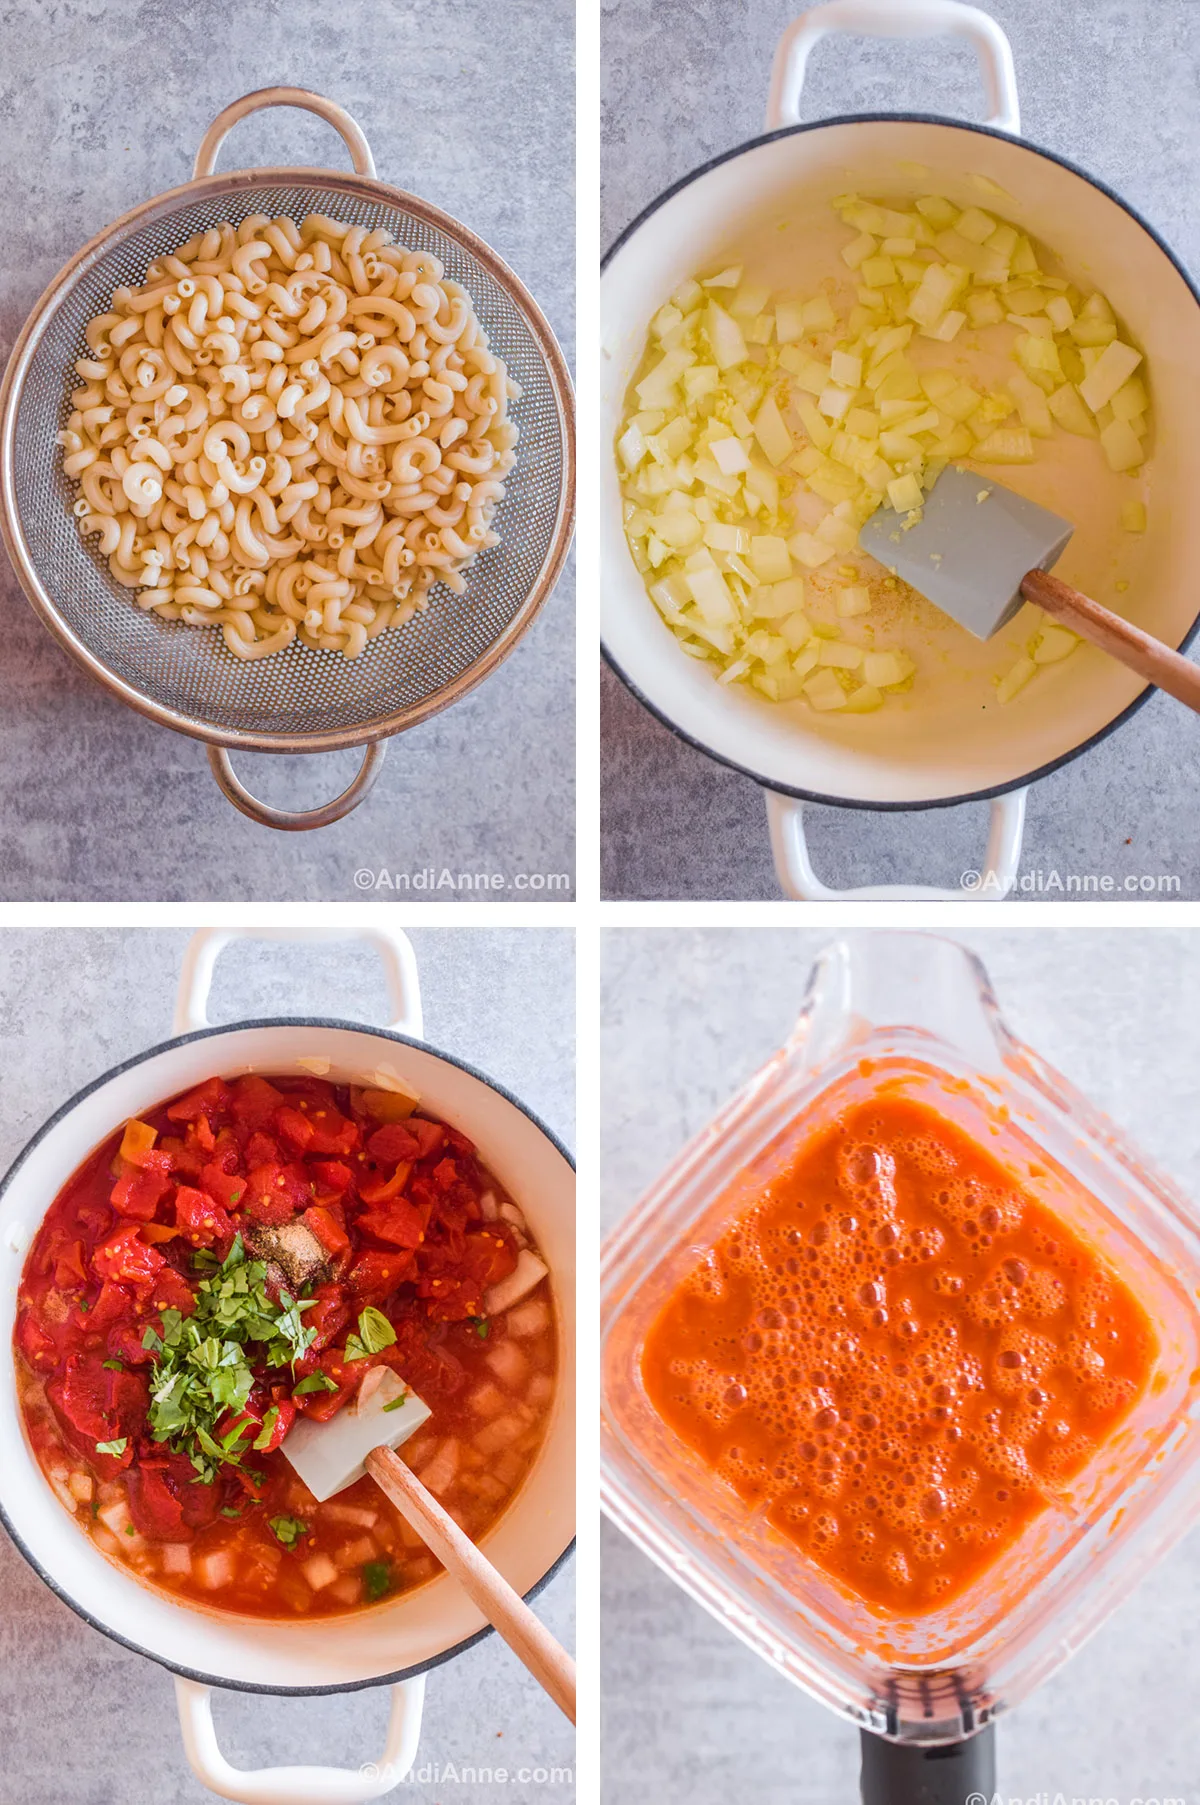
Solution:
(290, 432)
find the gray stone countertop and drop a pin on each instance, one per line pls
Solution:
(687, 1017)
(102, 106)
(84, 1721)
(1110, 84)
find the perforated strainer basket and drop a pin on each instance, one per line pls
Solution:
(298, 700)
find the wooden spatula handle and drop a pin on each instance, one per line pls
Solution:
(530, 1640)
(1149, 657)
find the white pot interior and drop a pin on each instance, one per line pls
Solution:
(938, 742)
(366, 1645)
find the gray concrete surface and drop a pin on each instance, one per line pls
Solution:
(687, 1016)
(83, 1721)
(1109, 83)
(102, 105)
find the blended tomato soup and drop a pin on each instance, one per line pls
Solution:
(897, 1355)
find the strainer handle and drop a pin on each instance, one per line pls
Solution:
(341, 121)
(296, 820)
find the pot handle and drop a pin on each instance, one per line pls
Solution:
(392, 944)
(785, 818)
(896, 19)
(296, 820)
(341, 121)
(299, 1785)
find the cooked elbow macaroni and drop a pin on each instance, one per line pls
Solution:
(290, 431)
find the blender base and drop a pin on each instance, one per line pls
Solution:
(949, 1773)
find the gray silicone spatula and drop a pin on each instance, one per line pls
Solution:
(979, 550)
(362, 1438)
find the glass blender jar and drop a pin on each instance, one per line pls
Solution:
(915, 1012)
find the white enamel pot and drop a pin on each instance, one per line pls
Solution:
(938, 757)
(390, 1644)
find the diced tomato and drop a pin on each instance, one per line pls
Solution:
(70, 1274)
(140, 1189)
(253, 1102)
(379, 1190)
(224, 1187)
(227, 1153)
(35, 1342)
(328, 1227)
(321, 1405)
(394, 1142)
(294, 1129)
(208, 1099)
(171, 1291)
(126, 1257)
(423, 1191)
(274, 1194)
(115, 1304)
(395, 1222)
(333, 1174)
(155, 1504)
(431, 1136)
(329, 1316)
(200, 1502)
(332, 1132)
(186, 1157)
(458, 1143)
(200, 1132)
(445, 1174)
(262, 1150)
(283, 1422)
(492, 1254)
(95, 1403)
(451, 1300)
(200, 1220)
(374, 1276)
(124, 1342)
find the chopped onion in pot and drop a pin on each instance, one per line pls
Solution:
(751, 401)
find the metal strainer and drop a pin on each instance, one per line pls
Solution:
(299, 700)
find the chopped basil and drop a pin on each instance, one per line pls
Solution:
(287, 1530)
(377, 1578)
(396, 1403)
(227, 1512)
(114, 1366)
(481, 1326)
(130, 1530)
(375, 1333)
(263, 1438)
(315, 1382)
(203, 1368)
(113, 1447)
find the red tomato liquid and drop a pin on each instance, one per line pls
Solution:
(409, 1222)
(897, 1354)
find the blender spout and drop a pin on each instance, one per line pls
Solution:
(944, 1773)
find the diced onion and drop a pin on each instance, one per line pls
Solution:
(319, 1571)
(532, 1318)
(748, 398)
(215, 1570)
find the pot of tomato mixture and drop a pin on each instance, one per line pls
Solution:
(900, 1363)
(716, 618)
(240, 1228)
